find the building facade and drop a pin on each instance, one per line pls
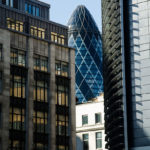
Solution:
(85, 37)
(37, 101)
(90, 125)
(126, 74)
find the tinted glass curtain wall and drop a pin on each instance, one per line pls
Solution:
(85, 37)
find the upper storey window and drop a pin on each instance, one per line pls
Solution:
(57, 38)
(11, 3)
(31, 9)
(14, 25)
(37, 32)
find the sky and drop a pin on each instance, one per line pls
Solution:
(61, 10)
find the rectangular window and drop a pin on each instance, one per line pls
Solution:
(62, 125)
(37, 32)
(98, 140)
(57, 38)
(14, 25)
(17, 86)
(17, 119)
(40, 121)
(37, 12)
(41, 63)
(84, 119)
(98, 118)
(62, 94)
(1, 51)
(17, 57)
(62, 147)
(85, 142)
(40, 91)
(40, 146)
(0, 82)
(61, 68)
(16, 145)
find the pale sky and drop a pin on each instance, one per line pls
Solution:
(61, 10)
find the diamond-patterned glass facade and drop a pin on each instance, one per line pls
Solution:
(85, 37)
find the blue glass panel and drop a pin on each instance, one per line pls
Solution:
(33, 10)
(29, 11)
(26, 7)
(37, 11)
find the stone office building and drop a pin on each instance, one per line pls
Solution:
(37, 101)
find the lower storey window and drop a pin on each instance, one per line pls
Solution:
(41, 146)
(62, 125)
(16, 145)
(17, 119)
(98, 140)
(85, 142)
(40, 121)
(62, 147)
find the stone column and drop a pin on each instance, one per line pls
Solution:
(5, 95)
(29, 103)
(73, 101)
(52, 107)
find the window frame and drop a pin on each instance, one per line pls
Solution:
(85, 141)
(96, 122)
(97, 139)
(84, 124)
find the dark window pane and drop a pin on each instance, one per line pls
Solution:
(84, 119)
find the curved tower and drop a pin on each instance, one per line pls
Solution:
(85, 37)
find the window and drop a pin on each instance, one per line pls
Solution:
(17, 119)
(57, 38)
(34, 10)
(11, 3)
(1, 49)
(16, 145)
(40, 91)
(14, 25)
(97, 118)
(0, 82)
(0, 115)
(17, 86)
(40, 121)
(18, 57)
(62, 95)
(85, 142)
(62, 147)
(62, 125)
(62, 68)
(98, 140)
(40, 146)
(37, 32)
(84, 119)
(41, 63)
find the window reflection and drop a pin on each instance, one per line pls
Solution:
(18, 57)
(40, 91)
(62, 95)
(40, 121)
(41, 63)
(61, 68)
(17, 86)
(37, 32)
(14, 25)
(17, 119)
(62, 125)
(31, 9)
(57, 38)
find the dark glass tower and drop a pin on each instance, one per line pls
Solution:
(126, 55)
(85, 37)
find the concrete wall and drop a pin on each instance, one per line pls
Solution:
(140, 61)
(89, 109)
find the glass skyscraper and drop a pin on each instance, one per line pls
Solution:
(85, 37)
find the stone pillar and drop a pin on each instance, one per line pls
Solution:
(73, 101)
(52, 107)
(29, 103)
(5, 95)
